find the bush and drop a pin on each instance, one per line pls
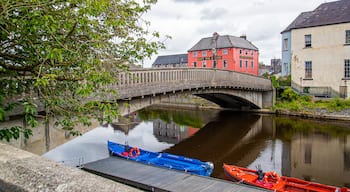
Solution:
(289, 95)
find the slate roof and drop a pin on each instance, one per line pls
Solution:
(171, 59)
(223, 41)
(326, 14)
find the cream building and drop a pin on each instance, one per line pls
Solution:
(317, 46)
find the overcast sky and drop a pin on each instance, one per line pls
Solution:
(187, 21)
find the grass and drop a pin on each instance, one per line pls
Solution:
(292, 101)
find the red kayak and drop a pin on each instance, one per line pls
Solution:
(274, 182)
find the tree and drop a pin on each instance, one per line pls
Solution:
(63, 55)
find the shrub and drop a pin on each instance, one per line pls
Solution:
(289, 95)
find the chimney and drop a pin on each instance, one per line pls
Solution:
(215, 36)
(243, 36)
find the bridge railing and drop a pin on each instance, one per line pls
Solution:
(138, 82)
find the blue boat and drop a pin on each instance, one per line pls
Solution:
(165, 160)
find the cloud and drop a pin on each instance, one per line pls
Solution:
(187, 21)
(212, 14)
(191, 1)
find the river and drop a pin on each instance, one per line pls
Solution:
(313, 150)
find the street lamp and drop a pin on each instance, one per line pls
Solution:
(214, 57)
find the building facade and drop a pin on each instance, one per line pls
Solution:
(276, 66)
(320, 50)
(286, 54)
(177, 60)
(225, 52)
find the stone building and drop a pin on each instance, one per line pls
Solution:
(316, 50)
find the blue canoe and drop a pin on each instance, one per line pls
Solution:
(165, 160)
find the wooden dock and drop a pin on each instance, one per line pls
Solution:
(153, 178)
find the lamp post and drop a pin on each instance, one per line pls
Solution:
(214, 57)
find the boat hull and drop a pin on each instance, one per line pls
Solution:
(164, 160)
(272, 181)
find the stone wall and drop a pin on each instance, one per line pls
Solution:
(24, 171)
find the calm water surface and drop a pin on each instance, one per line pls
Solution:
(312, 150)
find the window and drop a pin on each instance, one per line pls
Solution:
(204, 53)
(246, 52)
(194, 64)
(252, 53)
(224, 51)
(347, 37)
(246, 64)
(240, 63)
(204, 63)
(252, 64)
(308, 69)
(224, 63)
(214, 63)
(240, 51)
(347, 68)
(195, 54)
(308, 40)
(285, 44)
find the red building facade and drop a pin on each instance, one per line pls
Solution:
(225, 52)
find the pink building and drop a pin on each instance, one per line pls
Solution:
(225, 52)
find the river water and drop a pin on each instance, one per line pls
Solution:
(314, 150)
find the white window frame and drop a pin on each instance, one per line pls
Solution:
(347, 36)
(308, 69)
(347, 68)
(308, 40)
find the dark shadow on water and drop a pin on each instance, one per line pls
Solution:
(220, 141)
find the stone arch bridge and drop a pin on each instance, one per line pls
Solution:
(140, 88)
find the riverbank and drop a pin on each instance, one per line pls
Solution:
(343, 115)
(190, 102)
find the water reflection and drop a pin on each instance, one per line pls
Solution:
(307, 149)
(171, 132)
(150, 133)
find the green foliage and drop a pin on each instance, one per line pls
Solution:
(65, 55)
(289, 95)
(275, 82)
(291, 100)
(285, 81)
(14, 133)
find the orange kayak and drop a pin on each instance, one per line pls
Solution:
(274, 182)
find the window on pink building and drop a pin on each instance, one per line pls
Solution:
(224, 64)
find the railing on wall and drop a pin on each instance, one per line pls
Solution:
(315, 91)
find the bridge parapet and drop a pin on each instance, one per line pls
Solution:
(139, 82)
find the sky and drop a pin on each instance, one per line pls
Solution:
(187, 21)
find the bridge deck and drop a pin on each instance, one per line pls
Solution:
(159, 179)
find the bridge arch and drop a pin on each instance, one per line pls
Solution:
(140, 88)
(231, 101)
